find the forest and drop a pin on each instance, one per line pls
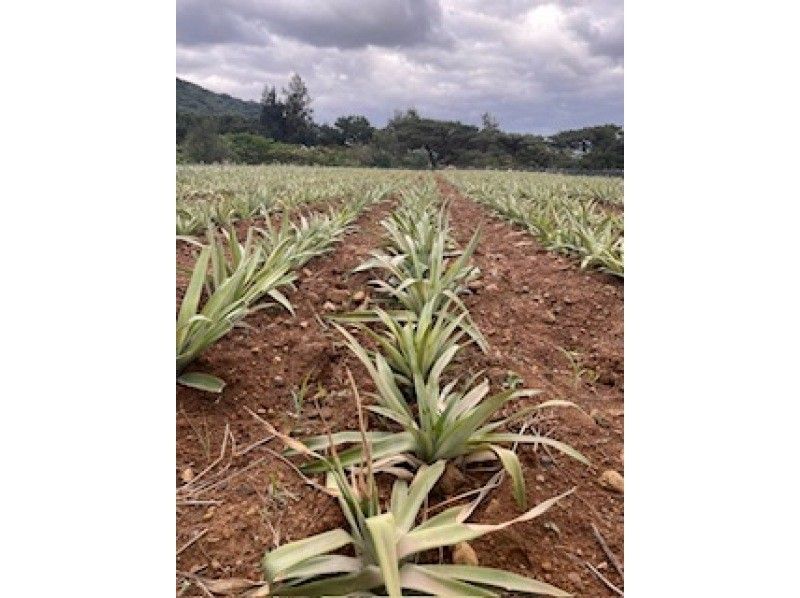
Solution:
(281, 128)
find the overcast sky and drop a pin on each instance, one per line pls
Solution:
(537, 66)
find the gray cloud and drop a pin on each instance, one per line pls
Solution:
(604, 37)
(538, 66)
(350, 23)
(203, 23)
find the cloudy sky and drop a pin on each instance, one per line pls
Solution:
(537, 66)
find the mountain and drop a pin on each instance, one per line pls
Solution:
(193, 99)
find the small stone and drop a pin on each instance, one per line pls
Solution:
(278, 380)
(187, 475)
(255, 349)
(547, 566)
(277, 359)
(209, 514)
(602, 566)
(252, 510)
(526, 289)
(599, 418)
(493, 507)
(575, 580)
(475, 285)
(215, 564)
(540, 478)
(492, 287)
(549, 316)
(452, 480)
(569, 300)
(359, 296)
(607, 378)
(303, 324)
(612, 480)
(464, 554)
(307, 272)
(261, 411)
(329, 306)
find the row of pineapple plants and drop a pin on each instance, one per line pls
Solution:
(433, 422)
(565, 217)
(231, 279)
(209, 196)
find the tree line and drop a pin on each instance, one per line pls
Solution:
(286, 132)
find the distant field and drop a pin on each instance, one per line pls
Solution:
(577, 215)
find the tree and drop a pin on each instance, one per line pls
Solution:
(354, 129)
(272, 122)
(443, 141)
(328, 135)
(490, 122)
(251, 149)
(607, 146)
(298, 117)
(203, 143)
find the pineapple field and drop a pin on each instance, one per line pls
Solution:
(398, 382)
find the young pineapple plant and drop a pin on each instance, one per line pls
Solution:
(412, 346)
(562, 214)
(439, 422)
(413, 281)
(198, 328)
(597, 239)
(267, 266)
(241, 275)
(417, 249)
(388, 543)
(422, 274)
(189, 220)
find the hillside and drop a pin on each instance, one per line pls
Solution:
(193, 99)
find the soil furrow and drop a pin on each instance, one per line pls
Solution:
(532, 306)
(262, 364)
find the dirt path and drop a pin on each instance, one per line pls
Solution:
(262, 365)
(530, 304)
